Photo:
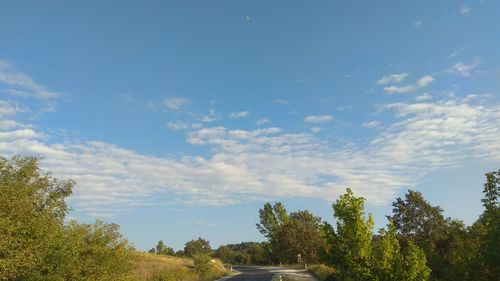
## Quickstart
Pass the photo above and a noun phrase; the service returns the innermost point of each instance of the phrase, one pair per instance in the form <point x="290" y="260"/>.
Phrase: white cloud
<point x="423" y="82"/>
<point x="243" y="165"/>
<point x="417" y="23"/>
<point x="392" y="78"/>
<point x="318" y="118"/>
<point x="262" y="121"/>
<point x="315" y="129"/>
<point x="175" y="103"/>
<point x="210" y="117"/>
<point x="424" y="97"/>
<point x="464" y="69"/>
<point x="8" y="108"/>
<point x="464" y="9"/>
<point x="21" y="85"/>
<point x="281" y="101"/>
<point x="371" y="124"/>
<point x="241" y="114"/>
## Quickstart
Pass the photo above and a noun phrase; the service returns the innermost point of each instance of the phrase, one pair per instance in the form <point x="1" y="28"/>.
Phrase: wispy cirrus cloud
<point x="17" y="83"/>
<point x="464" y="69"/>
<point x="175" y="103"/>
<point x="392" y="78"/>
<point x="262" y="121"/>
<point x="238" y="115"/>
<point x="318" y="118"/>
<point x="423" y="82"/>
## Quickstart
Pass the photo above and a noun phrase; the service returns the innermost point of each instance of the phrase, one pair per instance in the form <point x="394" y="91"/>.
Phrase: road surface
<point x="268" y="273"/>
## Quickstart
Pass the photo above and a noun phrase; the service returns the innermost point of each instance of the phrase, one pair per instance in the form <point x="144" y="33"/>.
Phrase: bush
<point x="203" y="266"/>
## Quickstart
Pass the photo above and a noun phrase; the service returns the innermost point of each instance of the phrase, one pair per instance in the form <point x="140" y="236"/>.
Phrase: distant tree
<point x="162" y="249"/>
<point x="152" y="251"/>
<point x="350" y="244"/>
<point x="226" y="254"/>
<point x="197" y="247"/>
<point x="32" y="210"/>
<point x="180" y="253"/>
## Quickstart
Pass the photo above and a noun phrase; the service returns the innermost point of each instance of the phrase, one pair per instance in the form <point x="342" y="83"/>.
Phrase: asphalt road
<point x="268" y="273"/>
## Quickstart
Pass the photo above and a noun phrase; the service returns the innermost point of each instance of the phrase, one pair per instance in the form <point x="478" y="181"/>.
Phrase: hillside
<point x="149" y="267"/>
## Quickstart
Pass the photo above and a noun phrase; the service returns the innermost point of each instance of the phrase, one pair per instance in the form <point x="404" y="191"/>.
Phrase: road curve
<point x="268" y="273"/>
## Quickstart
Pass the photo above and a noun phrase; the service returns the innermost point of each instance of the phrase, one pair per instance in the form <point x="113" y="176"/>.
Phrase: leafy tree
<point x="350" y="245"/>
<point x="162" y="249"/>
<point x="389" y="263"/>
<point x="300" y="234"/>
<point x="197" y="247"/>
<point x="487" y="229"/>
<point x="32" y="210"/>
<point x="417" y="220"/>
<point x="272" y="218"/>
<point x="152" y="251"/>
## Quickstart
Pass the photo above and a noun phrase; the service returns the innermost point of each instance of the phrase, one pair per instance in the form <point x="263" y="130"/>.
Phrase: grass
<point x="151" y="267"/>
<point x="321" y="271"/>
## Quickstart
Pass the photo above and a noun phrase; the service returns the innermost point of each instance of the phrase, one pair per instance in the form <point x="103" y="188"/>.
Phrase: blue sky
<point x="179" y="119"/>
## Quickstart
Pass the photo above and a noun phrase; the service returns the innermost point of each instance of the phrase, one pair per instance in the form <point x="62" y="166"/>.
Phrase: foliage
<point x="272" y="218"/>
<point x="35" y="244"/>
<point x="32" y="210"/>
<point x="350" y="244"/>
<point x="162" y="249"/>
<point x="197" y="247"/>
<point x="244" y="253"/>
<point x="202" y="265"/>
<point x="415" y="219"/>
<point x="300" y="234"/>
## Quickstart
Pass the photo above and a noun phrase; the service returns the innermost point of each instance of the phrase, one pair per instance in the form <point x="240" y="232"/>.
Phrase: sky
<point x="180" y="119"/>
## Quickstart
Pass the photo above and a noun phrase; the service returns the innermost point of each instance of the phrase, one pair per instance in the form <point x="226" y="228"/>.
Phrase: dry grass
<point x="321" y="271"/>
<point x="151" y="267"/>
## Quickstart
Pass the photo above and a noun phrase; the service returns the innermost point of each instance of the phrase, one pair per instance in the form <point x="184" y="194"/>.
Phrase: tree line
<point x="419" y="243"/>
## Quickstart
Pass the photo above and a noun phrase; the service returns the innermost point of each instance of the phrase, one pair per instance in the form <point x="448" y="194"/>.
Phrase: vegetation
<point x="419" y="244"/>
<point x="153" y="267"/>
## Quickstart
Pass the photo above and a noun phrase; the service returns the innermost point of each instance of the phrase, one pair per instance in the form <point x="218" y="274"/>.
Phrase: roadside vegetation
<point x="37" y="243"/>
<point x="418" y="244"/>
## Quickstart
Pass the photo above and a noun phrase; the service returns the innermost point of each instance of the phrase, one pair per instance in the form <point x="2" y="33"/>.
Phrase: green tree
<point x="32" y="209"/>
<point x="202" y="265"/>
<point x="272" y="218"/>
<point x="300" y="234"/>
<point x="350" y="244"/>
<point x="162" y="249"/>
<point x="389" y="263"/>
<point x="417" y="220"/>
<point x="197" y="247"/>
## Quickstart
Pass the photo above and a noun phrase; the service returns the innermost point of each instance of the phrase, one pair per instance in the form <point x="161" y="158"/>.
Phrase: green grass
<point x="151" y="267"/>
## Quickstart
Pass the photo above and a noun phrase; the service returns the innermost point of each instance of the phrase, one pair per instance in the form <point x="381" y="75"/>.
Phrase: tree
<point x="162" y="249"/>
<point x="202" y="266"/>
<point x="32" y="211"/>
<point x="416" y="220"/>
<point x="301" y="235"/>
<point x="272" y="218"/>
<point x="389" y="263"/>
<point x="350" y="245"/>
<point x="197" y="247"/>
